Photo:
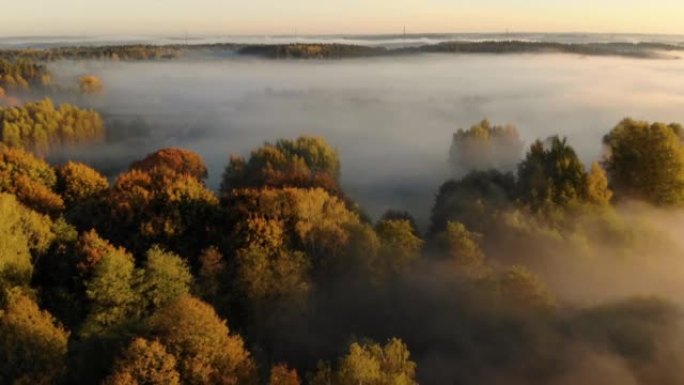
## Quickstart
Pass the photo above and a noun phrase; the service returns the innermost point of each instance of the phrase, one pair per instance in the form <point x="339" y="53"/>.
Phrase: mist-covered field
<point x="390" y="118"/>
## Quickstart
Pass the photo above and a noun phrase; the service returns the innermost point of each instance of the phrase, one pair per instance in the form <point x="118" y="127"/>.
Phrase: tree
<point x="90" y="84"/>
<point x="473" y="200"/>
<point x="77" y="182"/>
<point x="23" y="233"/>
<point x="598" y="192"/>
<point x="144" y="362"/>
<point x="313" y="220"/>
<point x="205" y="351"/>
<point x="524" y="290"/>
<point x="23" y="74"/>
<point x="165" y="278"/>
<point x="401" y="215"/>
<point x="212" y="267"/>
<point x="32" y="180"/>
<point x="162" y="207"/>
<point x="304" y="162"/>
<point x="400" y="248"/>
<point x="110" y="293"/>
<point x="370" y="364"/>
<point x="32" y="345"/>
<point x="272" y="274"/>
<point x="178" y="160"/>
<point x="551" y="175"/>
<point x="282" y="375"/>
<point x="484" y="147"/>
<point x="40" y="127"/>
<point x="646" y="161"/>
<point x="461" y="247"/>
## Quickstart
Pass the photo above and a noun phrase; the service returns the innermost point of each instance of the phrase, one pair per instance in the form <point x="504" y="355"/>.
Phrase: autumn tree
<point x="200" y="341"/>
<point x="212" y="267"/>
<point x="40" y="126"/>
<point x="144" y="362"/>
<point x="161" y="206"/>
<point x="391" y="215"/>
<point x="461" y="248"/>
<point x="30" y="179"/>
<point x="282" y="375"/>
<point x="372" y="364"/>
<point x="524" y="290"/>
<point x="313" y="220"/>
<point x="77" y="182"/>
<point x="178" y="160"/>
<point x="598" y="191"/>
<point x="22" y="74"/>
<point x="646" y="161"/>
<point x="90" y="84"/>
<point x="32" y="345"/>
<point x="304" y="162"/>
<point x="400" y="247"/>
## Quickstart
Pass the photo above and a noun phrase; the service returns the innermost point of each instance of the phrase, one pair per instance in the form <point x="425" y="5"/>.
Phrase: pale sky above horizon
<point x="260" y="17"/>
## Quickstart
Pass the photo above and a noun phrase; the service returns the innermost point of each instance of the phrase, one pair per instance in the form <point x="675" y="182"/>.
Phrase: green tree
<point x="110" y="293"/>
<point x="473" y="200"/>
<point x="32" y="345"/>
<point x="23" y="233"/>
<point x="551" y="175"/>
<point x="39" y="126"/>
<point x="646" y="161"/>
<point x="165" y="278"/>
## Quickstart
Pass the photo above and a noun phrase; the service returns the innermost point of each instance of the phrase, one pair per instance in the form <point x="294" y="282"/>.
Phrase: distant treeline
<point x="122" y="52"/>
<point x="332" y="51"/>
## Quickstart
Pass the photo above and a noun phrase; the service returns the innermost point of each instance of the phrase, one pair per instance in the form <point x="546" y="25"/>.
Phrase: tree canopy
<point x="646" y="161"/>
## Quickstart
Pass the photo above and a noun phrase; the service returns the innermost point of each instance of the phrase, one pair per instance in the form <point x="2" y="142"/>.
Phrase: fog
<point x="391" y="118"/>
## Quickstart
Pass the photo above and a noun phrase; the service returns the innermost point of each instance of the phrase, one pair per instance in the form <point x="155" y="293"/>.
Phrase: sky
<point x="284" y="17"/>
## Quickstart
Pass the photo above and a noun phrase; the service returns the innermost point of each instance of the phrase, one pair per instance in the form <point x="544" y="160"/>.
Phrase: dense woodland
<point x="279" y="278"/>
<point x="23" y="74"/>
<point x="40" y="126"/>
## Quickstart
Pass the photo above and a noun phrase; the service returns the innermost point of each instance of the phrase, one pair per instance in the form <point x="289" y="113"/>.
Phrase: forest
<point x="535" y="268"/>
<point x="280" y="278"/>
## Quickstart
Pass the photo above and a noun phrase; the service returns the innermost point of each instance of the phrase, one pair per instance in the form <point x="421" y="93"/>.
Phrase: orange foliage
<point x="282" y="375"/>
<point x="178" y="160"/>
